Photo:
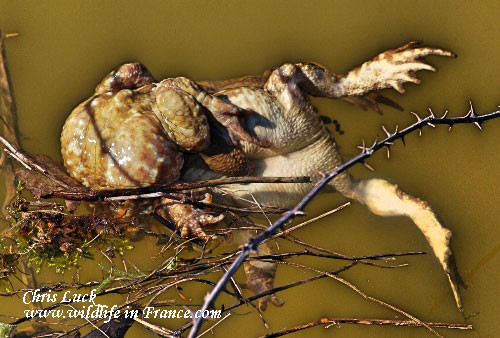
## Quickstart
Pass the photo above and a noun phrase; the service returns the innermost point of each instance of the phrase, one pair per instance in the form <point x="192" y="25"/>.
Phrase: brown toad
<point x="133" y="131"/>
<point x="267" y="122"/>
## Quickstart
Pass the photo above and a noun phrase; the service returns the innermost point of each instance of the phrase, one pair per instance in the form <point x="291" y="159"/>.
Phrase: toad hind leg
<point x="386" y="199"/>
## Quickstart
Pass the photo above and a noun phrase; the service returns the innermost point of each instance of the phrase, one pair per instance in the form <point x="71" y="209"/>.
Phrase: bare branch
<point x="30" y="163"/>
<point x="143" y="192"/>
<point x="8" y="105"/>
<point x="83" y="194"/>
<point x="8" y="120"/>
<point x="335" y="321"/>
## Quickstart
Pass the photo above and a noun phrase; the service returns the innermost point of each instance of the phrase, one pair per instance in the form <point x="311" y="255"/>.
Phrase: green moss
<point x="50" y="239"/>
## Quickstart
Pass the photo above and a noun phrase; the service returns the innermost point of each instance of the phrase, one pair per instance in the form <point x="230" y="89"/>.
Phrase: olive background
<point x="66" y="47"/>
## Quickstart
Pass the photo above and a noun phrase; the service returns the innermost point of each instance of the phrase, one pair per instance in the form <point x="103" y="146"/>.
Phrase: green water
<point x="66" y="47"/>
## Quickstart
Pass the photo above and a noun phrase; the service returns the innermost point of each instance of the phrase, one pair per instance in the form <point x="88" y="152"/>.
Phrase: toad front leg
<point x="188" y="219"/>
<point x="390" y="69"/>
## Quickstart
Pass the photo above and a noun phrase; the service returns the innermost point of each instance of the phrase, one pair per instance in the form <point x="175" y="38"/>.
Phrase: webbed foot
<point x="394" y="67"/>
<point x="260" y="278"/>
<point x="188" y="219"/>
<point x="371" y="101"/>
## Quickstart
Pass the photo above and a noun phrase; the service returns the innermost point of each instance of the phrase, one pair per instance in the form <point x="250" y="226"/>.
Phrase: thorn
<point x="432" y="114"/>
<point x="385" y="131"/>
<point x="299" y="213"/>
<point x="444" y="115"/>
<point x="388" y="152"/>
<point x="11" y="35"/>
<point x="362" y="147"/>
<point x="420" y="131"/>
<point x="374" y="143"/>
<point x="430" y="124"/>
<point x="368" y="166"/>
<point x="449" y="128"/>
<point x="418" y="117"/>
<point x="322" y="174"/>
<point x="396" y="131"/>
<point x="471" y="112"/>
<point x="403" y="140"/>
<point x="477" y="124"/>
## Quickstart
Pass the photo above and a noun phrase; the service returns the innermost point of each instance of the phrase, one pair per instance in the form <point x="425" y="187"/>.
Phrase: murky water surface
<point x="65" y="48"/>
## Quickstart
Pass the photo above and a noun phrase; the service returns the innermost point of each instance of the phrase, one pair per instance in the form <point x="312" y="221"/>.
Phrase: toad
<point x="135" y="131"/>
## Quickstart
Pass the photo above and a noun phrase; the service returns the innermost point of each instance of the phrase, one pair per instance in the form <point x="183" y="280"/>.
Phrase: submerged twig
<point x="240" y="302"/>
<point x="8" y="104"/>
<point x="8" y="120"/>
<point x="366" y="152"/>
<point x="9" y="130"/>
<point x="31" y="164"/>
<point x="368" y="297"/>
<point x="145" y="192"/>
<point x="391" y="322"/>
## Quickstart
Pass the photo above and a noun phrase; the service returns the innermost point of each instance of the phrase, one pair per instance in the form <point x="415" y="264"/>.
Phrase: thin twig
<point x="282" y="256"/>
<point x="95" y="326"/>
<point x="216" y="206"/>
<point x="145" y="191"/>
<point x="366" y="296"/>
<point x="153" y="191"/>
<point x="275" y="290"/>
<point x="295" y="227"/>
<point x="366" y="152"/>
<point x="8" y="120"/>
<point x="392" y="322"/>
<point x="8" y="104"/>
<point x="159" y="330"/>
<point x="218" y="322"/>
<point x="31" y="164"/>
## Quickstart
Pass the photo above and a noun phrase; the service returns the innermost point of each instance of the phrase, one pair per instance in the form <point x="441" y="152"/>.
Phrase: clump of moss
<point x="47" y="234"/>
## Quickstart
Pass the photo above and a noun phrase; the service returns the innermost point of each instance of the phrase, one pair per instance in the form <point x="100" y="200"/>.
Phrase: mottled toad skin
<point x="128" y="137"/>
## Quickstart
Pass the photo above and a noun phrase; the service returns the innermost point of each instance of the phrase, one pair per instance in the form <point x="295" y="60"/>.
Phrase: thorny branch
<point x="366" y="152"/>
